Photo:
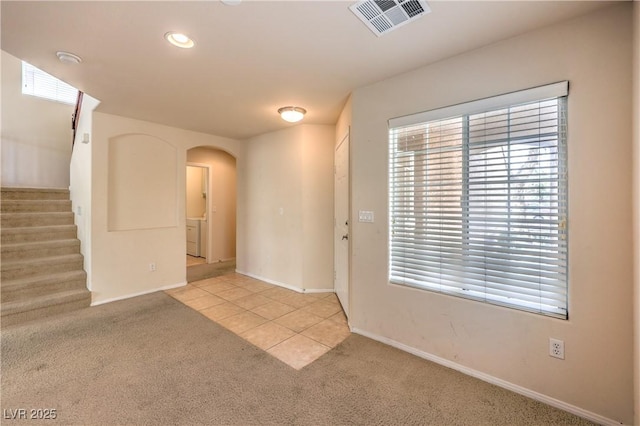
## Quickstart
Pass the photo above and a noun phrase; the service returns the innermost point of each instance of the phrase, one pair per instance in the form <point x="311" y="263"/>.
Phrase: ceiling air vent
<point x="382" y="16"/>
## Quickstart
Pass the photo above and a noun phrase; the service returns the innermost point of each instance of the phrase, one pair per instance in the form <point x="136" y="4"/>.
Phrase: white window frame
<point x="38" y="83"/>
<point x="411" y="257"/>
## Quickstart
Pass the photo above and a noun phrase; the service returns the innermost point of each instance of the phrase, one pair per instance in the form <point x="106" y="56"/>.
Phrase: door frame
<point x="208" y="204"/>
<point x="346" y="138"/>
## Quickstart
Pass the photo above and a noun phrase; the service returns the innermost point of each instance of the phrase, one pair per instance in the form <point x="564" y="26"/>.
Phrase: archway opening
<point x="210" y="207"/>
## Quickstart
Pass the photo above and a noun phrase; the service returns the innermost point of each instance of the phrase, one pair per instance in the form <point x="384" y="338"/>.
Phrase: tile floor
<point x="296" y="328"/>
<point x="192" y="260"/>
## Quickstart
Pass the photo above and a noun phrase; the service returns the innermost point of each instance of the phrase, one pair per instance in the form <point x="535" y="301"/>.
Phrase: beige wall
<point x="196" y="189"/>
<point x="222" y="201"/>
<point x="36" y="134"/>
<point x="142" y="182"/>
<point x="317" y="148"/>
<point x="636" y="180"/>
<point x="344" y="121"/>
<point x="80" y="180"/>
<point x="120" y="259"/>
<point x="499" y="344"/>
<point x="285" y="208"/>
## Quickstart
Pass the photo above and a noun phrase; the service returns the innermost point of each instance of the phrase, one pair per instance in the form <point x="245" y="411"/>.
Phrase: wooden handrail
<point x="75" y="118"/>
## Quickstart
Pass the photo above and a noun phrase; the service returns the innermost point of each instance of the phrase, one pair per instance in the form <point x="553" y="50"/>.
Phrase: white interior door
<point x="341" y="223"/>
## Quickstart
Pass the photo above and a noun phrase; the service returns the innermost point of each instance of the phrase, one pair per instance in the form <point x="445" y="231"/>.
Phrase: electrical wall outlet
<point x="152" y="267"/>
<point x="556" y="348"/>
<point x="365" y="216"/>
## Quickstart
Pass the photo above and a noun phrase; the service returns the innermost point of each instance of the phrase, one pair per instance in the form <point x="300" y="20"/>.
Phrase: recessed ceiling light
<point x="68" y="58"/>
<point x="231" y="2"/>
<point x="292" y="114"/>
<point x="179" y="40"/>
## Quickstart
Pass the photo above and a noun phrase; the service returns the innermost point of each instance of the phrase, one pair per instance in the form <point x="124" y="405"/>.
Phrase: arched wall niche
<point x="142" y="183"/>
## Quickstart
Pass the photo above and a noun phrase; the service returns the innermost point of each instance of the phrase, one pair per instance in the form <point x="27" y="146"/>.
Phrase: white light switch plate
<point x="365" y="216"/>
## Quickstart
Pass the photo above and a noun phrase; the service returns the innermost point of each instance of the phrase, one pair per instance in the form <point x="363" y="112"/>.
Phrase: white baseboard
<point x="287" y="286"/>
<point x="228" y="259"/>
<point x="596" y="418"/>
<point x="142" y="293"/>
<point x="318" y="290"/>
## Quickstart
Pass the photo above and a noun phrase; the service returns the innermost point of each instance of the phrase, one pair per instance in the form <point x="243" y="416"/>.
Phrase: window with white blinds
<point x="36" y="82"/>
<point x="478" y="200"/>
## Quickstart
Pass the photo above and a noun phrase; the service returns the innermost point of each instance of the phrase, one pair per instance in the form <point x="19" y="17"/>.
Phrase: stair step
<point x="34" y="250"/>
<point x="37" y="233"/>
<point x="17" y="269"/>
<point x="12" y="220"/>
<point x="44" y="306"/>
<point x="41" y="270"/>
<point x="30" y="287"/>
<point x="35" y="206"/>
<point x="34" y="194"/>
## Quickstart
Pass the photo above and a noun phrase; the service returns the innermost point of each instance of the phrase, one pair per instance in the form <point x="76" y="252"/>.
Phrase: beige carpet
<point x="152" y="360"/>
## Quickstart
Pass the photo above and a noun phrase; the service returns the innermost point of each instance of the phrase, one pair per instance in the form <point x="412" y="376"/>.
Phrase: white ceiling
<point x="249" y="59"/>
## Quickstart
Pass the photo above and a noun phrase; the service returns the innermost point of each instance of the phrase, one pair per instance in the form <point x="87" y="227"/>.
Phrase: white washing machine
<point x="193" y="237"/>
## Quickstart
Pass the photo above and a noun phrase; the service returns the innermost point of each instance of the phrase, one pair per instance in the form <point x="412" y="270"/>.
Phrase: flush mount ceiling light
<point x="231" y="2"/>
<point x="292" y="114"/>
<point x="68" y="58"/>
<point x="179" y="40"/>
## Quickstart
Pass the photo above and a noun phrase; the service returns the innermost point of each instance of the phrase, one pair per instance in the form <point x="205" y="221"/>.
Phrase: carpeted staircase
<point x="42" y="268"/>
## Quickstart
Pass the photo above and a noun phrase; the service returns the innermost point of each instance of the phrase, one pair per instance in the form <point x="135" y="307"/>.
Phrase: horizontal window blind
<point x="478" y="201"/>
<point x="36" y="82"/>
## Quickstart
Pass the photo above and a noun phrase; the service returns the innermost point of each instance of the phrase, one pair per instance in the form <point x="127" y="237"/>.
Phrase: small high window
<point x="36" y="82"/>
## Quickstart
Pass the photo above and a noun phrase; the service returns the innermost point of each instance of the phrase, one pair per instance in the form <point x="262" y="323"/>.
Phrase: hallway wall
<point x="36" y="134"/>
<point x="285" y="208"/>
<point x="80" y="182"/>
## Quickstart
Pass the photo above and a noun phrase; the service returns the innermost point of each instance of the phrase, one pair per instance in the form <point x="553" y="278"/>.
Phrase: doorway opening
<point x="197" y="214"/>
<point x="210" y="206"/>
